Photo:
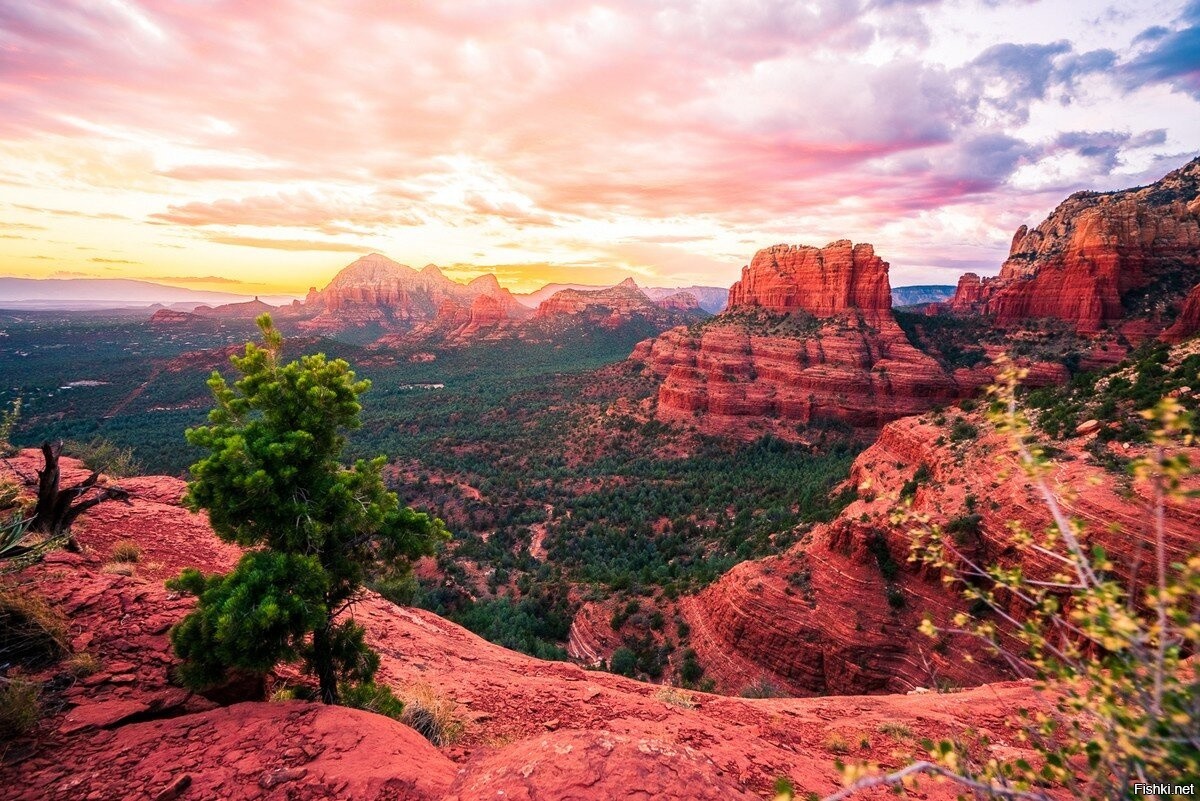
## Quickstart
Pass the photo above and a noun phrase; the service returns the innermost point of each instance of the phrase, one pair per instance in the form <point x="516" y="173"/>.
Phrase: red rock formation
<point x="375" y="290"/>
<point x="171" y="317"/>
<point x="1187" y="324"/>
<point x="625" y="300"/>
<point x="246" y="310"/>
<point x="532" y="729"/>
<point x="820" y="618"/>
<point x="680" y="301"/>
<point x="970" y="293"/>
<point x="793" y="348"/>
<point x="1087" y="261"/>
<point x="835" y="279"/>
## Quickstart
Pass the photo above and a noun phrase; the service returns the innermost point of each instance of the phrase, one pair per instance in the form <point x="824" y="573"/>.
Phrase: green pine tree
<point x="273" y="480"/>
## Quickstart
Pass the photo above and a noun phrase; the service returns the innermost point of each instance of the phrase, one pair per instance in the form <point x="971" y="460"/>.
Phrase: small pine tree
<point x="273" y="480"/>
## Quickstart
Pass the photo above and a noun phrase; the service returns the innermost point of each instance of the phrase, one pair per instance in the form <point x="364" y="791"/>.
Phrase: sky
<point x="261" y="146"/>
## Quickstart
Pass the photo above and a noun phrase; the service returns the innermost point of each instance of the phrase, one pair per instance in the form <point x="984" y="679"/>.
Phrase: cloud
<point x="288" y="244"/>
<point x="330" y="215"/>
<point x="70" y="274"/>
<point x="101" y="260"/>
<point x="481" y="122"/>
<point x="1173" y="57"/>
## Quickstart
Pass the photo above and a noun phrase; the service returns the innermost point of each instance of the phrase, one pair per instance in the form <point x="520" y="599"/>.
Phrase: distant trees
<point x="272" y="480"/>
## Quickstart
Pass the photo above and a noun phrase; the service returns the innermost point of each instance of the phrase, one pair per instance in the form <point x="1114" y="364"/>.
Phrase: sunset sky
<point x="260" y="146"/>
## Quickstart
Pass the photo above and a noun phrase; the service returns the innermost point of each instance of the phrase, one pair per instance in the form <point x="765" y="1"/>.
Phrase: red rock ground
<point x="531" y="729"/>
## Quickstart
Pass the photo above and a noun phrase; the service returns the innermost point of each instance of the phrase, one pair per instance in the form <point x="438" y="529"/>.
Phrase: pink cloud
<point x="747" y="112"/>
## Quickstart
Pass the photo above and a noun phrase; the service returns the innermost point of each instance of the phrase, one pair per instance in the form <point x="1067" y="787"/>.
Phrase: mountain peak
<point x="629" y="283"/>
<point x="485" y="283"/>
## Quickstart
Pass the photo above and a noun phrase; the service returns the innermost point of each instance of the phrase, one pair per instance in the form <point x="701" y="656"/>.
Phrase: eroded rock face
<point x="1187" y="324"/>
<point x="531" y="729"/>
<point x="808" y="336"/>
<point x="1089" y="261"/>
<point x="614" y="305"/>
<point x="824" y="617"/>
<point x="375" y="290"/>
<point x="835" y="279"/>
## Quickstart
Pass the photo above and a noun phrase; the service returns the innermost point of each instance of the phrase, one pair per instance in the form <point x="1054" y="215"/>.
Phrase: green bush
<point x="272" y="480"/>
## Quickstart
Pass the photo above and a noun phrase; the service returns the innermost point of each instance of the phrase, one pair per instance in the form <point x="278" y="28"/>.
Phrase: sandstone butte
<point x="532" y="729"/>
<point x="808" y="335"/>
<point x="609" y="307"/>
<point x="1093" y="260"/>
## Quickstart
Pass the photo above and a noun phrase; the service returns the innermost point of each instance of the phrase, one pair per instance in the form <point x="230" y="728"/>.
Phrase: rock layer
<point x="808" y="336"/>
<point x="824" y="282"/>
<point x="1090" y="262"/>
<point x="826" y="618"/>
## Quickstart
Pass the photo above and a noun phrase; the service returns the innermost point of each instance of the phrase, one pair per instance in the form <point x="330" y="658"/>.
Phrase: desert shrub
<point x="690" y="669"/>
<point x="895" y="598"/>
<point x="624" y="661"/>
<point x="372" y="697"/>
<point x="897" y="731"/>
<point x="837" y="744"/>
<point x="126" y="551"/>
<point x="20" y="706"/>
<point x="963" y="430"/>
<point x="432" y="715"/>
<point x="920" y="477"/>
<point x="104" y="456"/>
<point x="81" y="664"/>
<point x="32" y="633"/>
<point x="676" y="697"/>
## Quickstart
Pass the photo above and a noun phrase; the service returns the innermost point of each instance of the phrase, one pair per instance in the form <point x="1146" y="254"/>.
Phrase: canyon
<point x="530" y="729"/>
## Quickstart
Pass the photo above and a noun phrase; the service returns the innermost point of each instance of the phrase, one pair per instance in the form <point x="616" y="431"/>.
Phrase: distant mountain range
<point x="85" y="294"/>
<point x="917" y="295"/>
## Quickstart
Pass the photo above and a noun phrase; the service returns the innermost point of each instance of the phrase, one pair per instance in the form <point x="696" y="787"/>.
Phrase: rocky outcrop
<point x="610" y="307"/>
<point x="531" y="729"/>
<point x="826" y="618"/>
<point x="824" y="282"/>
<point x="1099" y="258"/>
<point x="808" y="337"/>
<point x="1187" y="324"/>
<point x="375" y="291"/>
<point x="680" y="301"/>
<point x="246" y="310"/>
<point x="171" y="317"/>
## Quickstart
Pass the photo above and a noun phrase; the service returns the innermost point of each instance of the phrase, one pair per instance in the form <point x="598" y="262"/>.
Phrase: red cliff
<point x="824" y="617"/>
<point x="808" y="336"/>
<point x="1099" y="258"/>
<point x="835" y="279"/>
